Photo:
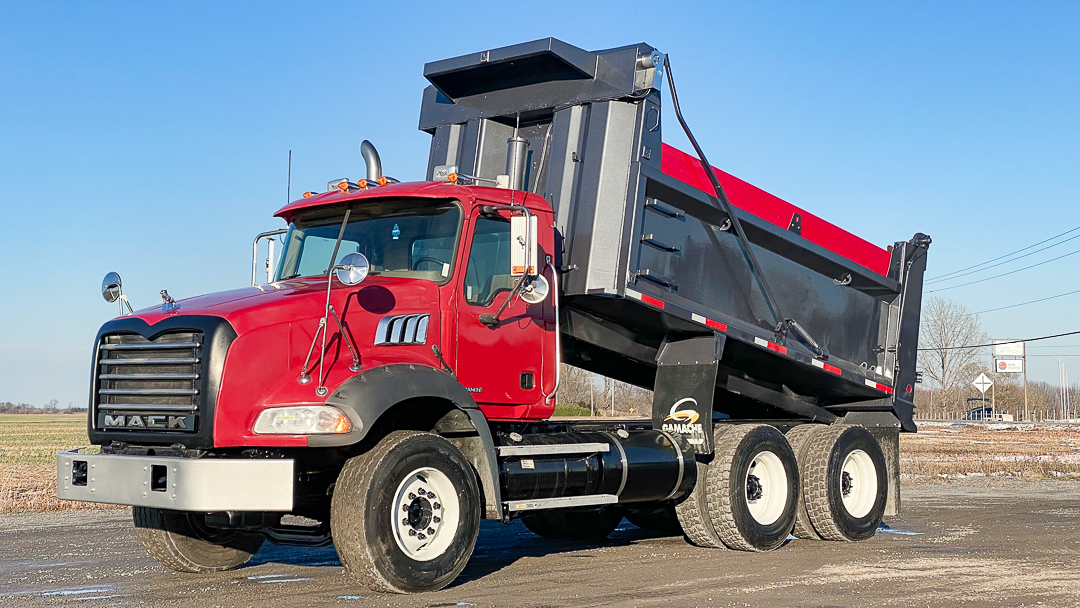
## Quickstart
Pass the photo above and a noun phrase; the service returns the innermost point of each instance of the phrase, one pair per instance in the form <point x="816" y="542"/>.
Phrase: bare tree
<point x="948" y="330"/>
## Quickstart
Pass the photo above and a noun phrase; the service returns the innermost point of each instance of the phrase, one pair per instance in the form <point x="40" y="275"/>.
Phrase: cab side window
<point x="488" y="272"/>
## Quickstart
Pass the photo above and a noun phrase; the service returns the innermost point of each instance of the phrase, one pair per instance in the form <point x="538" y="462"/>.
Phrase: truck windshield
<point x="401" y="237"/>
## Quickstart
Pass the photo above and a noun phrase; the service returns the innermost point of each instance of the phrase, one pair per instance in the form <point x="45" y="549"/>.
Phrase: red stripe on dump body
<point x="750" y="198"/>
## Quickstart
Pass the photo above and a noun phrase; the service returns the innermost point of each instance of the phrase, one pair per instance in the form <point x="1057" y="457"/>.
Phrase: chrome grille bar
<point x="151" y="361"/>
<point x="154" y="376"/>
<point x="151" y="346"/>
<point x="148" y="391"/>
<point x="146" y="407"/>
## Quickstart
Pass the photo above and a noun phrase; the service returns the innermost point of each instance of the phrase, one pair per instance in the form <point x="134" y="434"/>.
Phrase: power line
<point x="1002" y="257"/>
<point x="1060" y="295"/>
<point x="998" y="276"/>
<point x="1071" y="333"/>
<point x="1005" y="262"/>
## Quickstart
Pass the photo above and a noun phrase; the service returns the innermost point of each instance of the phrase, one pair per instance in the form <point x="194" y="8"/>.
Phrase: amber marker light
<point x="343" y="186"/>
<point x="452" y="178"/>
<point x="307" y="194"/>
<point x="362" y="183"/>
<point x="382" y="180"/>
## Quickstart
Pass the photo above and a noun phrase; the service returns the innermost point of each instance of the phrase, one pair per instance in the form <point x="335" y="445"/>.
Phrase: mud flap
<point x="685" y="385"/>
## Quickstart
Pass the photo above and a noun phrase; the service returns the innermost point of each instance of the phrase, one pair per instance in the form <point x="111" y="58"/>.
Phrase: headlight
<point x="302" y="420"/>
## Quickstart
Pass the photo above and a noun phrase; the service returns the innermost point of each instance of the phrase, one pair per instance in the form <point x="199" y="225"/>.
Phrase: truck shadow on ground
<point x="497" y="547"/>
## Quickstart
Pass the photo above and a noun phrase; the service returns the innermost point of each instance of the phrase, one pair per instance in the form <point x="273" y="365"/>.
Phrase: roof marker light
<point x="362" y="183"/>
<point x="382" y="180"/>
<point x="307" y="194"/>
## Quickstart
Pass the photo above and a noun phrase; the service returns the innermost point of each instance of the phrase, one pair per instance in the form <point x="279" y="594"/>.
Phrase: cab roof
<point x="432" y="190"/>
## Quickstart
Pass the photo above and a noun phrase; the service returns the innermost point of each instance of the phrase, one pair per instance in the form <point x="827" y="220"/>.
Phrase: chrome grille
<point x="152" y="377"/>
<point x="402" y="329"/>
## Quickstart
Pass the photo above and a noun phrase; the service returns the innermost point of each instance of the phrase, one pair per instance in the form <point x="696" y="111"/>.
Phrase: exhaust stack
<point x="517" y="155"/>
<point x="371" y="159"/>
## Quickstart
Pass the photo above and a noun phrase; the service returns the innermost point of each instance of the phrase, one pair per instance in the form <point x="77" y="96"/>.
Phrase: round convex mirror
<point x="110" y="287"/>
<point x="353" y="268"/>
<point x="536" y="291"/>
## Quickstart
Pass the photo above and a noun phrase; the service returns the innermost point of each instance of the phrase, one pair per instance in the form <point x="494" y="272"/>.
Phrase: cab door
<point x="502" y="365"/>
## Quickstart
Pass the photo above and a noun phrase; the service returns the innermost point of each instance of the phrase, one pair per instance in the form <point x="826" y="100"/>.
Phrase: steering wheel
<point x="430" y="259"/>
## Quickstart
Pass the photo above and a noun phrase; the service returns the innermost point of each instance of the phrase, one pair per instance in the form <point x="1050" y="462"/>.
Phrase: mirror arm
<point x="493" y="319"/>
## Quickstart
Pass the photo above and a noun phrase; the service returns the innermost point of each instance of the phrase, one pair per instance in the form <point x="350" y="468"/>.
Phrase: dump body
<point x="647" y="255"/>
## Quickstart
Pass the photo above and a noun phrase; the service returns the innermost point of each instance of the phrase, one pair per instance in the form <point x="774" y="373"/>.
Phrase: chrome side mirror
<point x="352" y="269"/>
<point x="112" y="290"/>
<point x="111" y="287"/>
<point x="536" y="291"/>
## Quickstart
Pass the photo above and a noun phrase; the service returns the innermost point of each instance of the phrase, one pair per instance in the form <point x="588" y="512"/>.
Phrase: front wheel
<point x="183" y="542"/>
<point x="405" y="515"/>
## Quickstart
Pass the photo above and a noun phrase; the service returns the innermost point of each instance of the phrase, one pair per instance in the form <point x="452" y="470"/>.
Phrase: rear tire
<point x="182" y="542"/>
<point x="655" y="518"/>
<point x="406" y="514"/>
<point x="753" y="487"/>
<point x="590" y="525"/>
<point x="798" y="437"/>
<point x="693" y="510"/>
<point x="846" y="483"/>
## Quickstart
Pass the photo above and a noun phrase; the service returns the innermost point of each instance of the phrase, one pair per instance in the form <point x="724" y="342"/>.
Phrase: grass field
<point x="28" y="447"/>
<point x="938" y="453"/>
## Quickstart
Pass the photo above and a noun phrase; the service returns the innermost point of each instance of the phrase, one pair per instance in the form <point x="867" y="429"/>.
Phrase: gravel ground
<point x="968" y="543"/>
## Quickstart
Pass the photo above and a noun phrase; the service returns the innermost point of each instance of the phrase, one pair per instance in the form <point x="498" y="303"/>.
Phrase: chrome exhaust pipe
<point x="371" y="159"/>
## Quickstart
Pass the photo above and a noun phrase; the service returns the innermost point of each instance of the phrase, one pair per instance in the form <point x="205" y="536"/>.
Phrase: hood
<point x="297" y="300"/>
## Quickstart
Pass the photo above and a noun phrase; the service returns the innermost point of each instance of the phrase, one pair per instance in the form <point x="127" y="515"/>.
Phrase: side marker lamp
<point x="302" y="420"/>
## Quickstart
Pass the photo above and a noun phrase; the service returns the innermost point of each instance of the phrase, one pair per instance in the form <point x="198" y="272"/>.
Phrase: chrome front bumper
<point x="181" y="484"/>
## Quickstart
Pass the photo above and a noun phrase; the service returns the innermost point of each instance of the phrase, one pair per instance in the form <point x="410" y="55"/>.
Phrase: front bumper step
<point x="181" y="484"/>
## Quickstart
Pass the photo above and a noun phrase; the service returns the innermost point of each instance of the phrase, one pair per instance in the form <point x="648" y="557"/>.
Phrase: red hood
<point x="296" y="300"/>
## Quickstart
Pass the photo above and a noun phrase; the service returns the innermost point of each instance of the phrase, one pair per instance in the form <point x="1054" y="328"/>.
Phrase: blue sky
<point x="152" y="139"/>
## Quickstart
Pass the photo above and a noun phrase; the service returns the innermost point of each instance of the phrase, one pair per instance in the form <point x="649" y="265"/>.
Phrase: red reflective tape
<point x="715" y="324"/>
<point x="780" y="349"/>
<point x="887" y="389"/>
<point x="831" y="368"/>
<point x="651" y="300"/>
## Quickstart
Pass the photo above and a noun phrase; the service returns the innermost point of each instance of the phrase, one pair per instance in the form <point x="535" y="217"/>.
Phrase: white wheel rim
<point x="425" y="513"/>
<point x="858" y="483"/>
<point x="766" y="488"/>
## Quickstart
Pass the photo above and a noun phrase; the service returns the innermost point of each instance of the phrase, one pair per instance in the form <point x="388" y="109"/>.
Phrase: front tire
<point x="405" y="515"/>
<point x="182" y="541"/>
<point x="753" y="487"/>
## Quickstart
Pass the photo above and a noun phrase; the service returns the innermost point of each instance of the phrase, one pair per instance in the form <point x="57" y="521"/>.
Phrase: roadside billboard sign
<point x="1009" y="366"/>
<point x="1005" y="348"/>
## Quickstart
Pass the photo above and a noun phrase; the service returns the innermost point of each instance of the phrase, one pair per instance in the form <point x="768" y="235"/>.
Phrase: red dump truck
<point x="392" y="381"/>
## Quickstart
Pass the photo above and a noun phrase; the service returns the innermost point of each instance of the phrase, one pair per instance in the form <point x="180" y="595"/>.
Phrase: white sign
<point x="983" y="383"/>
<point x="1010" y="366"/>
<point x="1005" y="348"/>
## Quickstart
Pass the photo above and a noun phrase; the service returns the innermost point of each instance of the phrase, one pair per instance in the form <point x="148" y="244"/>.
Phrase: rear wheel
<point x="693" y="510"/>
<point x="846" y="483"/>
<point x="589" y="525"/>
<point x="405" y="515"/>
<point x="183" y="542"/>
<point x="798" y="437"/>
<point x="753" y="487"/>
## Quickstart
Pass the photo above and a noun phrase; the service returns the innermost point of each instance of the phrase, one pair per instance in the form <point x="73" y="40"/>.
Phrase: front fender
<point x="370" y="394"/>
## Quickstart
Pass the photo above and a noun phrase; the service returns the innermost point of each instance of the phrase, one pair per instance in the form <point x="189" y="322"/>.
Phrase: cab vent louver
<point x="402" y="329"/>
